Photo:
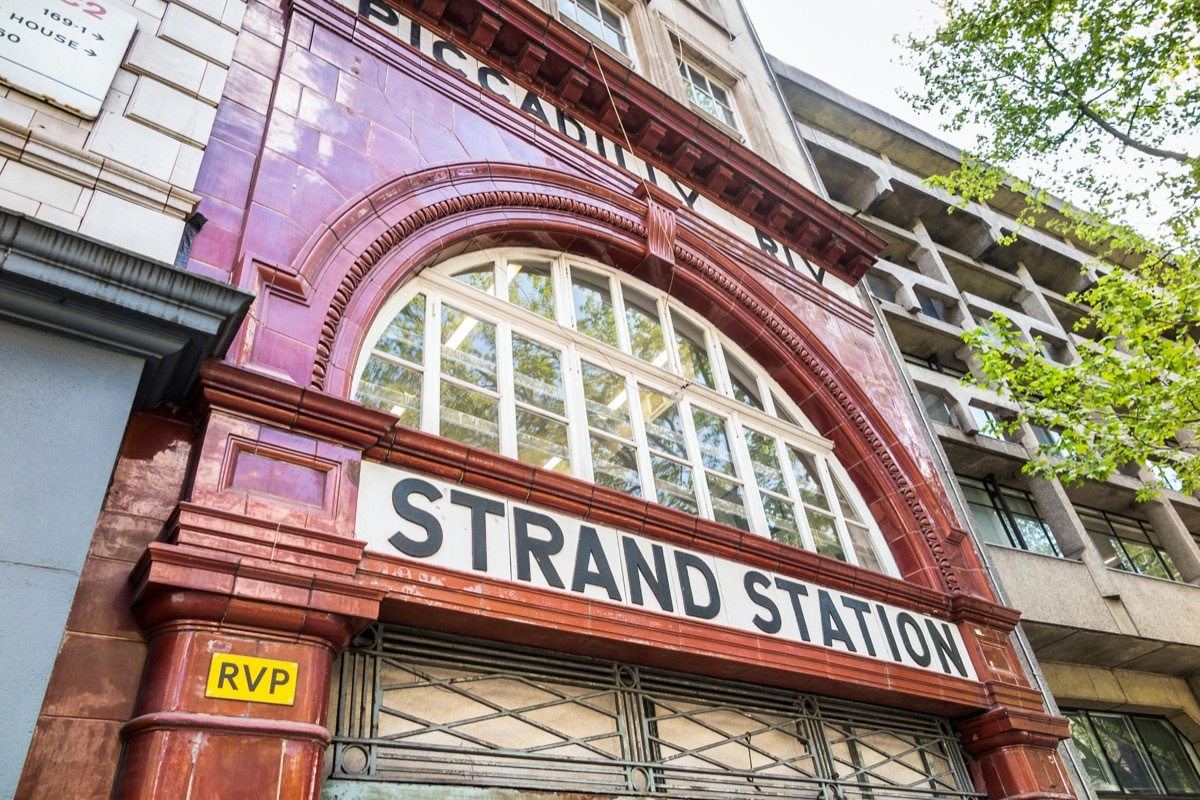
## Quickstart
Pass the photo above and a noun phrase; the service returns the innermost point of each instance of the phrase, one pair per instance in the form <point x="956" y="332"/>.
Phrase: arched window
<point x="572" y="367"/>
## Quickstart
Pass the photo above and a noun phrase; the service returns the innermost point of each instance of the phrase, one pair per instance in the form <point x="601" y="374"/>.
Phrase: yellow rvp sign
<point x="259" y="680"/>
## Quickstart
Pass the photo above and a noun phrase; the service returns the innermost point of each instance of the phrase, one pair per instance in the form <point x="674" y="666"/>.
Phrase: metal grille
<point x="418" y="708"/>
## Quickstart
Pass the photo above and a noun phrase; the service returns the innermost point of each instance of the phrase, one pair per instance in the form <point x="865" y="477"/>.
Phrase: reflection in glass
<point x="607" y="401"/>
<point x="1129" y="763"/>
<point x="714" y="442"/>
<point x="531" y="286"/>
<point x="804" y="467"/>
<point x="542" y="441"/>
<point x="614" y="464"/>
<point x="645" y="333"/>
<point x="825" y="535"/>
<point x="664" y="425"/>
<point x="593" y="308"/>
<point x="765" y="458"/>
<point x="729" y="504"/>
<point x="537" y="375"/>
<point x="781" y="518"/>
<point x="482" y="277"/>
<point x="693" y="356"/>
<point x="470" y="417"/>
<point x="1170" y="755"/>
<point x="468" y="349"/>
<point x="405" y="335"/>
<point x="392" y="388"/>
<point x="673" y="484"/>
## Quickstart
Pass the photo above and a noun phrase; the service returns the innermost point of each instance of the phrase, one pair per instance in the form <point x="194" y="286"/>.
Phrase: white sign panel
<point x="65" y="52"/>
<point x="432" y="522"/>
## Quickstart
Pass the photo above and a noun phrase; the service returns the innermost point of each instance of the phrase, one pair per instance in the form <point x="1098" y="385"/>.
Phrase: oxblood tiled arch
<point x="404" y="225"/>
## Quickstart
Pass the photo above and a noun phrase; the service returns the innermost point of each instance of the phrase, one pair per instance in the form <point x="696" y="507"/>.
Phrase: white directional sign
<point x="65" y="52"/>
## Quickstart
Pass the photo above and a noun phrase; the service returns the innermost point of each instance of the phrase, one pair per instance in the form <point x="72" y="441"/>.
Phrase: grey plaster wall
<point x="63" y="411"/>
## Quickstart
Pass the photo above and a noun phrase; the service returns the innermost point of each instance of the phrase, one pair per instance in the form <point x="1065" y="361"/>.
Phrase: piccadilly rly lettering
<point x="450" y="526"/>
<point x="492" y="81"/>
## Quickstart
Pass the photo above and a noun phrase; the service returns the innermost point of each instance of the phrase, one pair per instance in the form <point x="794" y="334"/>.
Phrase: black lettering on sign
<point x="796" y="591"/>
<point x="887" y="631"/>
<point x="639" y="569"/>
<point x="439" y="52"/>
<point x="253" y="682"/>
<point x="279" y="679"/>
<point x="685" y="563"/>
<point x="755" y="582"/>
<point x="401" y="492"/>
<point x="374" y="9"/>
<point x="861" y="609"/>
<point x="486" y="76"/>
<point x="540" y="549"/>
<point x="588" y="553"/>
<point x="533" y="107"/>
<point x="832" y="627"/>
<point x="228" y="673"/>
<point x="689" y="195"/>
<point x="480" y="508"/>
<point x="910" y="628"/>
<point x="569" y="126"/>
<point x="946" y="648"/>
<point x="773" y="249"/>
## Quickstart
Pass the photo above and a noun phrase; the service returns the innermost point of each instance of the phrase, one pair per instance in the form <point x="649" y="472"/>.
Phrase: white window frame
<point x="439" y="287"/>
<point x="685" y="61"/>
<point x="625" y="50"/>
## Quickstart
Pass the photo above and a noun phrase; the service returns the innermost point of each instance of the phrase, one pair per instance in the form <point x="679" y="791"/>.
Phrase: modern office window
<point x="934" y="363"/>
<point x="572" y="367"/>
<point x="881" y="287"/>
<point x="707" y="92"/>
<point x="932" y="307"/>
<point x="1128" y="544"/>
<point x="1134" y="754"/>
<point x="935" y="407"/>
<point x="1008" y="517"/>
<point x="600" y="19"/>
<point x="987" y="420"/>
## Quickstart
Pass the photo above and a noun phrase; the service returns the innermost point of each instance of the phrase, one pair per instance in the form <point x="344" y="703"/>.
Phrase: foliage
<point x="1099" y="100"/>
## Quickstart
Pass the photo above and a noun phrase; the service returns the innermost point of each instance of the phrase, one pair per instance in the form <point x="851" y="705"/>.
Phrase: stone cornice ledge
<point x="171" y="319"/>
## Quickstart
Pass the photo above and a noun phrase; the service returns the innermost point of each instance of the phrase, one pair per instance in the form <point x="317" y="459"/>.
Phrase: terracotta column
<point x="1017" y="753"/>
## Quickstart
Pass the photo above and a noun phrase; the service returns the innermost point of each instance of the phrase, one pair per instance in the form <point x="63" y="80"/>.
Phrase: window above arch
<point x="572" y="367"/>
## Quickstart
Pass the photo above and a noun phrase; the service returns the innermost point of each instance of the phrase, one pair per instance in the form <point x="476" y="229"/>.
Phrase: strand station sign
<point x="495" y="84"/>
<point x="431" y="522"/>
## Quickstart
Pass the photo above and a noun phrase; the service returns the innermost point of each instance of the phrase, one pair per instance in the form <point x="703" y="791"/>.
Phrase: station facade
<point x="557" y="451"/>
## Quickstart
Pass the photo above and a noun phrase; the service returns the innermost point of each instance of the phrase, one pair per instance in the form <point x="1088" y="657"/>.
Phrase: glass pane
<point x="1169" y="755"/>
<point x="1145" y="560"/>
<point x="468" y="349"/>
<point x="537" y="375"/>
<point x="1090" y="753"/>
<point x="987" y="520"/>
<point x="392" y="388"/>
<point x="1129" y="761"/>
<point x="935" y="407"/>
<point x="645" y="332"/>
<point x="673" y="484"/>
<point x="531" y="286"/>
<point x="1111" y="552"/>
<point x="864" y="551"/>
<point x="664" y="425"/>
<point x="482" y="277"/>
<point x="542" y="441"/>
<point x="804" y="466"/>
<point x="745" y="388"/>
<point x="825" y="535"/>
<point x="1036" y="535"/>
<point x="405" y="336"/>
<point x="781" y="519"/>
<point x="470" y="417"/>
<point x="729" y="504"/>
<point x="765" y="458"/>
<point x="614" y="464"/>
<point x="607" y="401"/>
<point x="593" y="308"/>
<point x="714" y="441"/>
<point x="693" y="357"/>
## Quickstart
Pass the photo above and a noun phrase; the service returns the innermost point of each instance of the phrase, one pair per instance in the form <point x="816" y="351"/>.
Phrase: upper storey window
<point x="600" y="19"/>
<point x="568" y="366"/>
<point x="707" y="92"/>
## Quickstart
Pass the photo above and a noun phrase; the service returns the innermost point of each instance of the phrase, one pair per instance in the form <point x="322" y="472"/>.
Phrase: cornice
<point x="563" y="66"/>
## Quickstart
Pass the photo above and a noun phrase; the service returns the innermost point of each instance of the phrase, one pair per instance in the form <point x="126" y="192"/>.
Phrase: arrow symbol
<point x="90" y="52"/>
<point x="99" y="38"/>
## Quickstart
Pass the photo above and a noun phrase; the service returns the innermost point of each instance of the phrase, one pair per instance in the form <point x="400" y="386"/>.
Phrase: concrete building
<point x="1106" y="585"/>
<point x="558" y="452"/>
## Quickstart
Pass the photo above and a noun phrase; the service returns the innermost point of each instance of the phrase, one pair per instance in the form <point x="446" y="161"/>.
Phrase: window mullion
<point x="745" y="469"/>
<point x="576" y="409"/>
<point x="835" y="510"/>
<point x="691" y="443"/>
<point x="508" y="392"/>
<point x="798" y="506"/>
<point x="431" y="381"/>
<point x="645" y="467"/>
<point x="615" y="288"/>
